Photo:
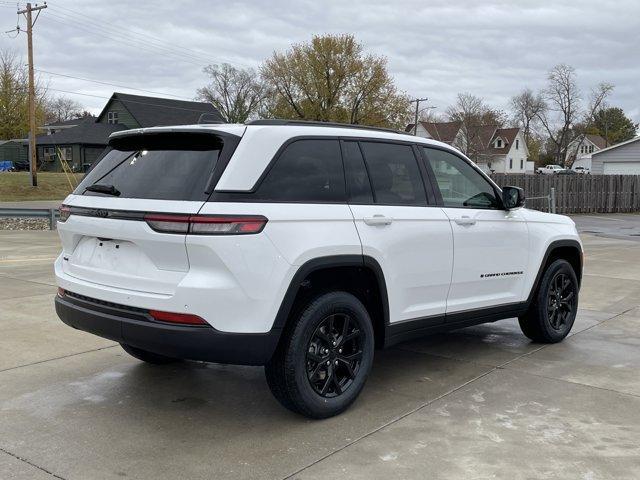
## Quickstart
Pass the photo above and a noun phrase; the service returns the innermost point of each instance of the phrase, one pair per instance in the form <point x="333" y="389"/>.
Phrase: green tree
<point x="14" y="99"/>
<point x="332" y="79"/>
<point x="613" y="125"/>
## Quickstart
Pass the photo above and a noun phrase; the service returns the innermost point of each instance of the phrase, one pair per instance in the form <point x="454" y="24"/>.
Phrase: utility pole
<point x="415" y="123"/>
<point x="32" y="89"/>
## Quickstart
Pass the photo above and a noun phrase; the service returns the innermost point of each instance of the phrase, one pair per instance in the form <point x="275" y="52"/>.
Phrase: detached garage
<point x="620" y="159"/>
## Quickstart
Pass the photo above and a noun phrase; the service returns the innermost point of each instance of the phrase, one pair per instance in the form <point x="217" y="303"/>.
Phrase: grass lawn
<point x="16" y="186"/>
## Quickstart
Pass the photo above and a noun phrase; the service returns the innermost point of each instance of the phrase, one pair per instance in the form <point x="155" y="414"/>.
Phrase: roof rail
<point x="314" y="123"/>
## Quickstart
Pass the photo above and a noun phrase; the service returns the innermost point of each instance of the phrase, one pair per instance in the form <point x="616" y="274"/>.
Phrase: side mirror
<point x="512" y="197"/>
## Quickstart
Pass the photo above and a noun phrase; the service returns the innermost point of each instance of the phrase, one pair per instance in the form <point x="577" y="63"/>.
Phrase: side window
<point x="358" y="184"/>
<point x="459" y="183"/>
<point x="395" y="175"/>
<point x="306" y="171"/>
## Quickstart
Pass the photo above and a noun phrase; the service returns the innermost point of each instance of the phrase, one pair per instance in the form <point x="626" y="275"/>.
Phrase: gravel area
<point x="24" y="224"/>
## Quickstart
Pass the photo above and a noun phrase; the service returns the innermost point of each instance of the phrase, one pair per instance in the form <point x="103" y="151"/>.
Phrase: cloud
<point x="435" y="48"/>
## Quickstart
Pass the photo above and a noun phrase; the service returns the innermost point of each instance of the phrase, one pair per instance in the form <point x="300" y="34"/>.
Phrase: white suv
<point x="303" y="247"/>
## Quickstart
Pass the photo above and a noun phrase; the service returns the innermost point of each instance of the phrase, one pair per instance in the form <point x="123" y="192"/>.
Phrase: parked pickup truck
<point x="550" y="169"/>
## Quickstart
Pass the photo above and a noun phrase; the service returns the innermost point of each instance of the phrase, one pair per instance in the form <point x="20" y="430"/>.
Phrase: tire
<point x="335" y="328"/>
<point x="553" y="310"/>
<point x="147" y="356"/>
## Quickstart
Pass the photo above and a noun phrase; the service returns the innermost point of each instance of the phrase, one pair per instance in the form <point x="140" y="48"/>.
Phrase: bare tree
<point x="562" y="108"/>
<point x="475" y="116"/>
<point x="525" y="108"/>
<point x="238" y="94"/>
<point x="64" y="108"/>
<point x="597" y="101"/>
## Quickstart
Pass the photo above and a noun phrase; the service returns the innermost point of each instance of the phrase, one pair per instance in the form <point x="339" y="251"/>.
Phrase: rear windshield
<point x="169" y="166"/>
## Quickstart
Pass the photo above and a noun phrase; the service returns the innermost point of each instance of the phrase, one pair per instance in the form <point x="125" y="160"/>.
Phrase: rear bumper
<point x="135" y="327"/>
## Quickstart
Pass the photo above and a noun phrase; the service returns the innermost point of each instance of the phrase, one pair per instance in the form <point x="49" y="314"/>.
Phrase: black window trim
<point x="497" y="190"/>
<point x="426" y="186"/>
<point x="246" y="196"/>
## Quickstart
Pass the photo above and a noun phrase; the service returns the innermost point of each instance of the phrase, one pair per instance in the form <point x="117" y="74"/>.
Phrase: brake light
<point x="65" y="211"/>
<point x="206" y="224"/>
<point x="180" y="318"/>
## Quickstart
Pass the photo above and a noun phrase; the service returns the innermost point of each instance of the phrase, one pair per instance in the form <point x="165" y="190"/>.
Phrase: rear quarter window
<point x="306" y="171"/>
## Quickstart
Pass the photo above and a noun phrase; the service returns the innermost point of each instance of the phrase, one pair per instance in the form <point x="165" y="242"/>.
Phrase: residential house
<point x="582" y="148"/>
<point x="494" y="149"/>
<point x="83" y="142"/>
<point x="620" y="159"/>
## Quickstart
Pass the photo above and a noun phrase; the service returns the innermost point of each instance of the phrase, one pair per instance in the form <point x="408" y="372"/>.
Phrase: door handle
<point x="378" y="220"/>
<point x="465" y="220"/>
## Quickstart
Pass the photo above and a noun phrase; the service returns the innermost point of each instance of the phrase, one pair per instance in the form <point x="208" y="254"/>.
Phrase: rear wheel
<point x="555" y="305"/>
<point x="324" y="358"/>
<point x="147" y="356"/>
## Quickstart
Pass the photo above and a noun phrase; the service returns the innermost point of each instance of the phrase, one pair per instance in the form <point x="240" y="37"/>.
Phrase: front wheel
<point x="555" y="305"/>
<point x="324" y="358"/>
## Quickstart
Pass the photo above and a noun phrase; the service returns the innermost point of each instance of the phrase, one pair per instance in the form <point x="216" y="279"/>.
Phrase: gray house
<point x="80" y="142"/>
<point x="620" y="159"/>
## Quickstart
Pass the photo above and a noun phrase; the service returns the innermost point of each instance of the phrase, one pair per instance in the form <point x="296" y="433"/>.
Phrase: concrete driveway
<point x="476" y="404"/>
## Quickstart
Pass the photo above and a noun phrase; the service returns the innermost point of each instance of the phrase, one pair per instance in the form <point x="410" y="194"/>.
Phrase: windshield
<point x="170" y="166"/>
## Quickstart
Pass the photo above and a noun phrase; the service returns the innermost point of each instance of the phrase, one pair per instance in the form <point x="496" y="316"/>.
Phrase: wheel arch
<point x="569" y="250"/>
<point x="360" y="275"/>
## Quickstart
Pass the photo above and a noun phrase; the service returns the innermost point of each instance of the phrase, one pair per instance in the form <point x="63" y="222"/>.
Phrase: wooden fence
<point x="578" y="193"/>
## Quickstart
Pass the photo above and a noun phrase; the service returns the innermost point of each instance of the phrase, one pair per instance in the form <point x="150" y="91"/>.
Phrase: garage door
<point x="622" y="168"/>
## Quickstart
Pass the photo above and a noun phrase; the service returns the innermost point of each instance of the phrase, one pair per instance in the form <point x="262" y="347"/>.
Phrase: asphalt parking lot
<point x="479" y="403"/>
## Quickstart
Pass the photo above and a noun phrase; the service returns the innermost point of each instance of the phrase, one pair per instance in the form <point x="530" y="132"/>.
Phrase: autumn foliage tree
<point x="332" y="79"/>
<point x="14" y="99"/>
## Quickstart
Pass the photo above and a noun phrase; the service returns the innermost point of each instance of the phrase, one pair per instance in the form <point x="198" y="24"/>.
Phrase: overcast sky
<point x="435" y="48"/>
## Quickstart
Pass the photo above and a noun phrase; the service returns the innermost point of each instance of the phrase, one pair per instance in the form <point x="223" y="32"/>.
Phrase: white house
<point x="582" y="148"/>
<point x="620" y="159"/>
<point x="494" y="149"/>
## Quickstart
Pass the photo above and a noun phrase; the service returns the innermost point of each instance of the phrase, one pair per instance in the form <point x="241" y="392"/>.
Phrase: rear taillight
<point x="65" y="211"/>
<point x="206" y="224"/>
<point x="61" y="292"/>
<point x="180" y="318"/>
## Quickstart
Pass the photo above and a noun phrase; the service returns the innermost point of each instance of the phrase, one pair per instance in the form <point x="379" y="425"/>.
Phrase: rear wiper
<point x="107" y="189"/>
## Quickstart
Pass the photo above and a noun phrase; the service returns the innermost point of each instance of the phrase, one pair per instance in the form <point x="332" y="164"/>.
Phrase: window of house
<point x="510" y="163"/>
<point x="112" y="117"/>
<point x="394" y="172"/>
<point x="521" y="164"/>
<point x="459" y="183"/>
<point x="66" y="153"/>
<point x="499" y="143"/>
<point x="306" y="171"/>
<point x="517" y="144"/>
<point x="49" y="154"/>
<point x="590" y="148"/>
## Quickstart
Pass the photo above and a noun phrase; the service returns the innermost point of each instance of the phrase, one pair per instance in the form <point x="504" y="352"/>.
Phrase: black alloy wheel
<point x="334" y="355"/>
<point x="554" y="305"/>
<point x="324" y="356"/>
<point x="561" y="300"/>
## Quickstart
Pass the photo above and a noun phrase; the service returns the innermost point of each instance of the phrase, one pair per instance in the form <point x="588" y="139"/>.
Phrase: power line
<point x="137" y="46"/>
<point x="153" y="44"/>
<point x="117" y="29"/>
<point x="111" y="84"/>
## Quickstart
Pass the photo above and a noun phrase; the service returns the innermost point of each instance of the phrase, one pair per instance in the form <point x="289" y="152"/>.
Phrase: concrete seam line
<point x="57" y="358"/>
<point x="610" y="390"/>
<point x="390" y="422"/>
<point x="18" y="457"/>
